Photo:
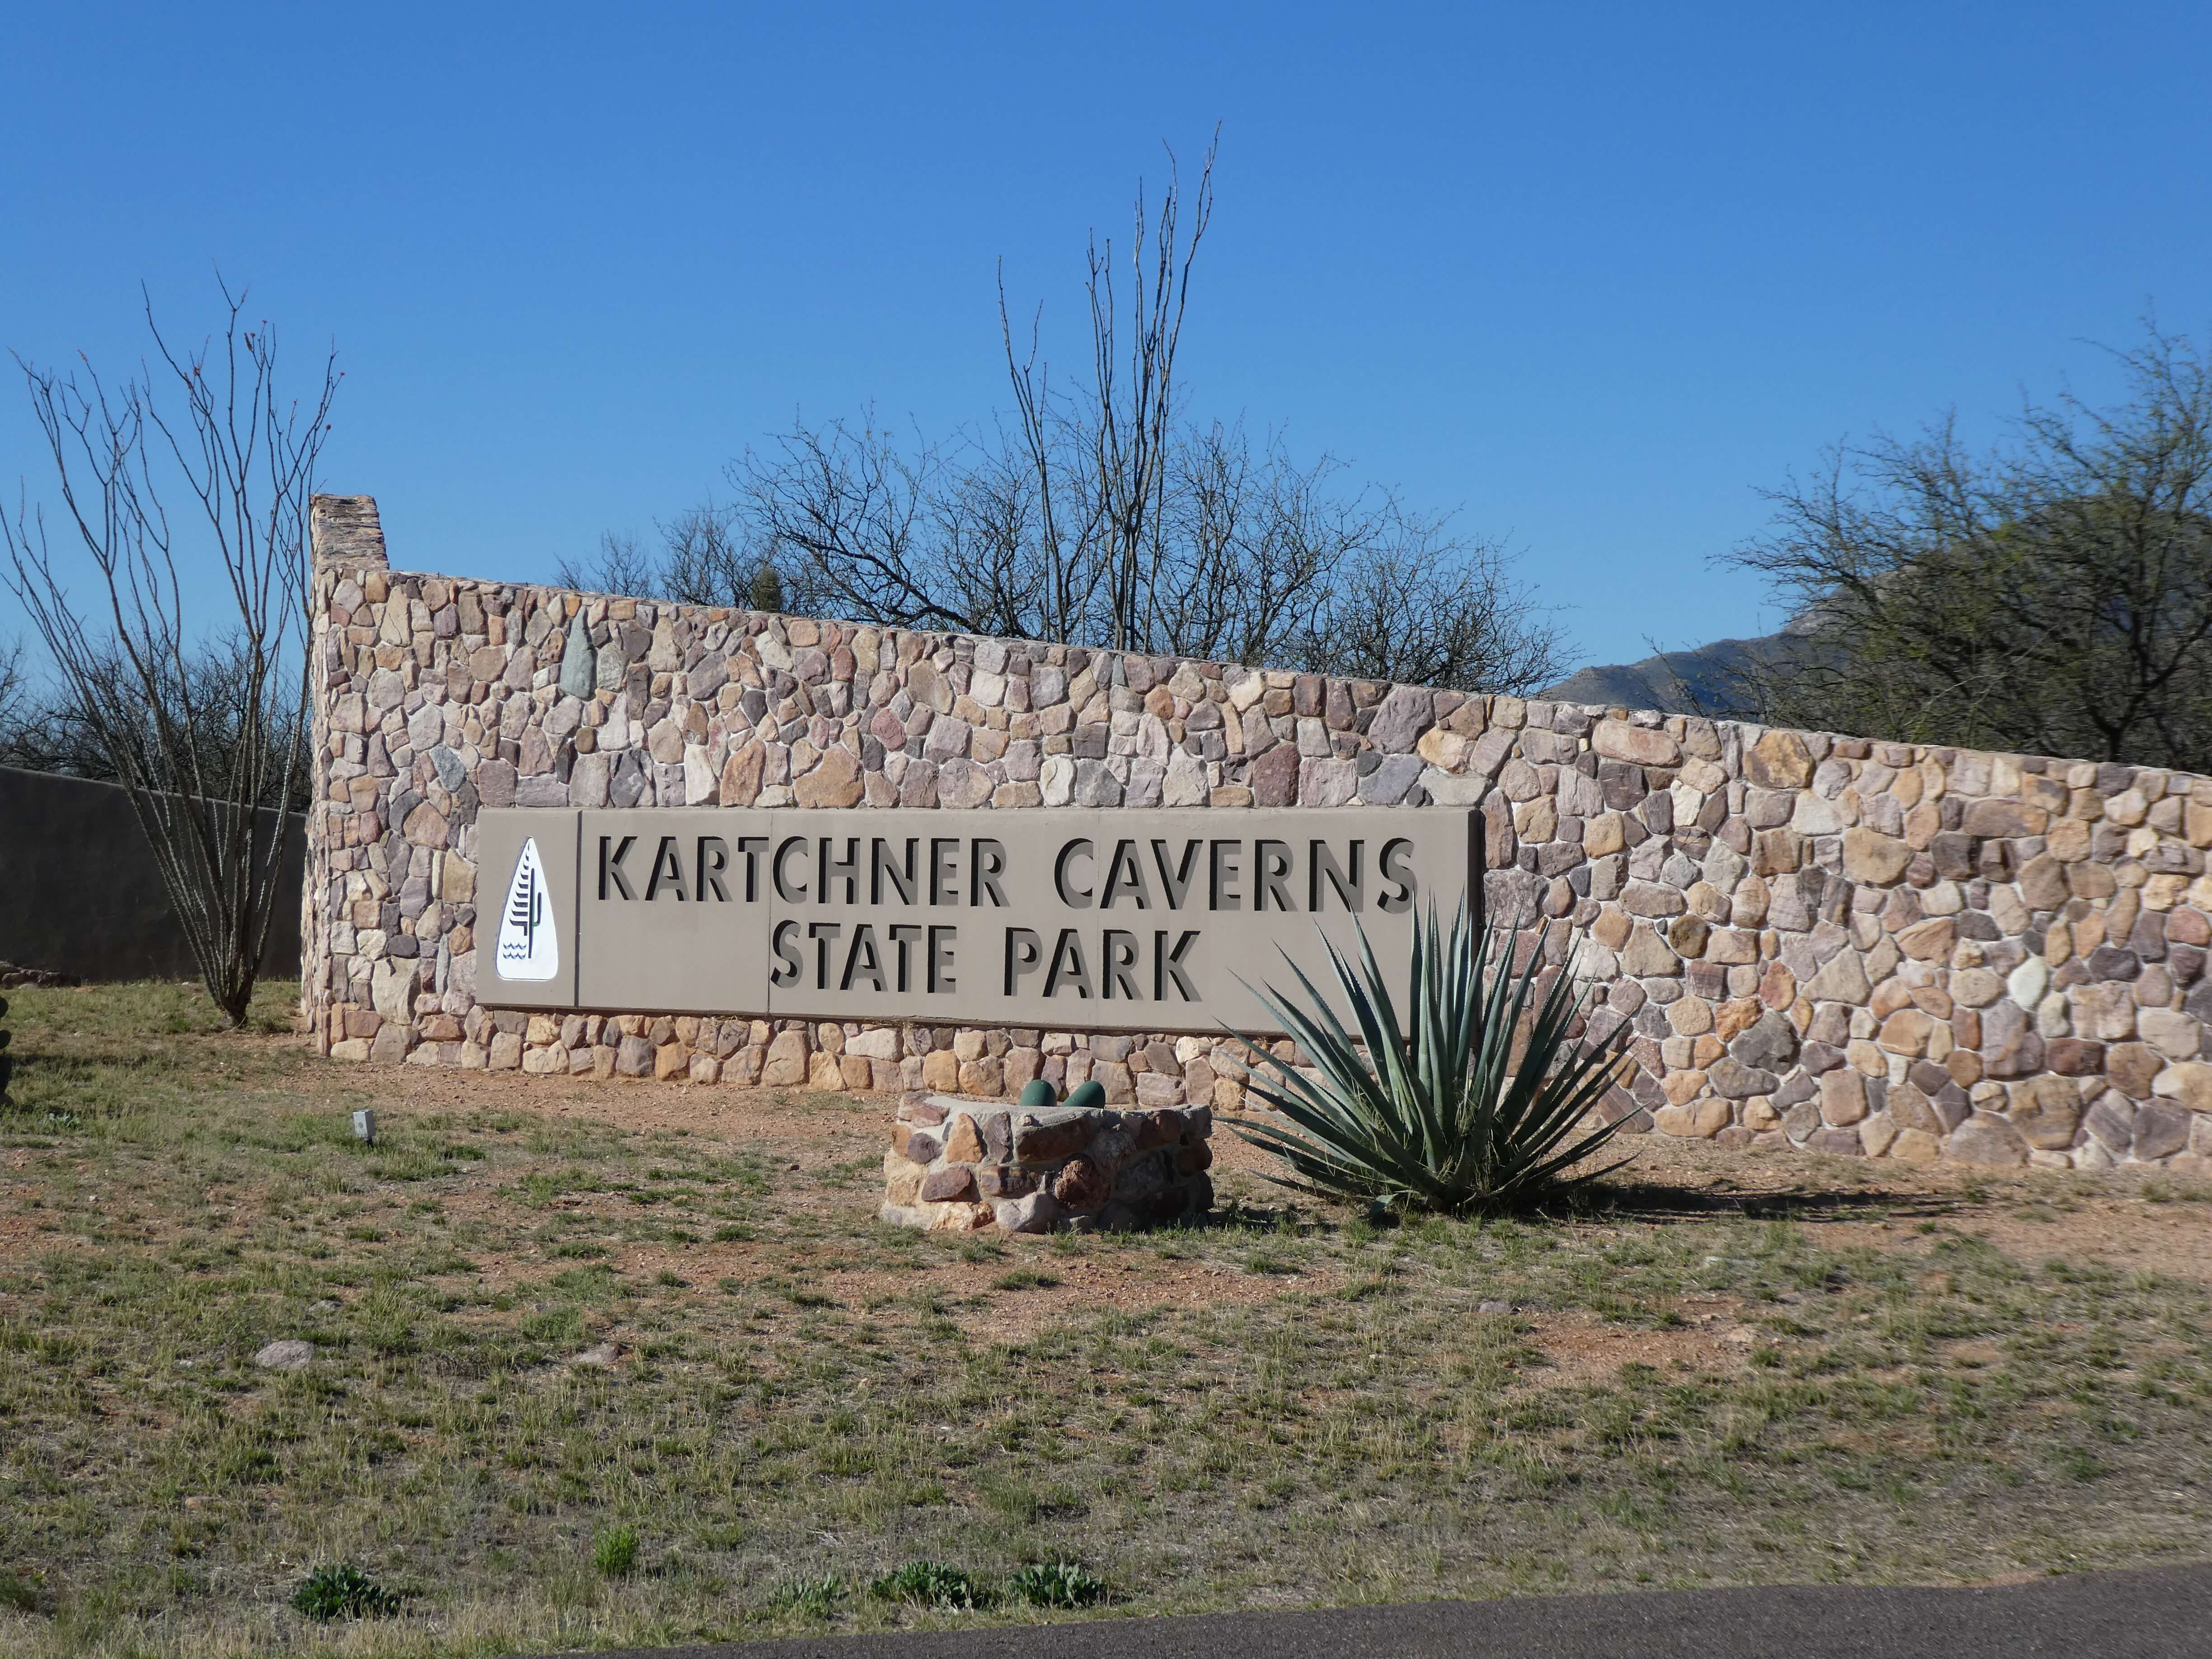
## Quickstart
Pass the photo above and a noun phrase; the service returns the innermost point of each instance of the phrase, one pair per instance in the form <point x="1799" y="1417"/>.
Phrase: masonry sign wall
<point x="1162" y="919"/>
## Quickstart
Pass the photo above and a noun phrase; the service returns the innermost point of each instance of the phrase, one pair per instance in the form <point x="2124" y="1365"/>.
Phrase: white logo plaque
<point x="529" y="943"/>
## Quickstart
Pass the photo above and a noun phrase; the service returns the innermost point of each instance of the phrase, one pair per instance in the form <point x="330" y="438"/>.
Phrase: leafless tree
<point x="210" y="759"/>
<point x="620" y="566"/>
<point x="1097" y="513"/>
<point x="15" y="698"/>
<point x="703" y="561"/>
<point x="2053" y="597"/>
<point x="1419" y="605"/>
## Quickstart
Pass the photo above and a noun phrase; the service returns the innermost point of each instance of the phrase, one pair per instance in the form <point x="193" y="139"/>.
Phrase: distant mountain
<point x="1701" y="680"/>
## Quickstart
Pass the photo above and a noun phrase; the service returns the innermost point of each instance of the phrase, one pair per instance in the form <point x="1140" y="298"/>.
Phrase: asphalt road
<point x="2161" y="1614"/>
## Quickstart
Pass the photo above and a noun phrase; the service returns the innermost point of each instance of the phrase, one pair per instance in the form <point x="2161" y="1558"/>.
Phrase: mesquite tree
<point x="2051" y="597"/>
<point x="210" y="759"/>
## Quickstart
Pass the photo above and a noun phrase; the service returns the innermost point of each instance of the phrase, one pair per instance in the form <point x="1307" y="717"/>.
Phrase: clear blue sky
<point x="1589" y="274"/>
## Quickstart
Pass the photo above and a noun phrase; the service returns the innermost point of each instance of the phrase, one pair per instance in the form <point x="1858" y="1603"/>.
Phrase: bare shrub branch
<point x="203" y="720"/>
<point x="1096" y="514"/>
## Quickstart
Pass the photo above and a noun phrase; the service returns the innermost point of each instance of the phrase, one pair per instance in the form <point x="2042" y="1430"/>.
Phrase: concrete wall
<point x="80" y="894"/>
<point x="1818" y="941"/>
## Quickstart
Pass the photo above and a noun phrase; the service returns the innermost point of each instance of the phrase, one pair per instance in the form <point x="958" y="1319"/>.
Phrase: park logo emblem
<point x="529" y="946"/>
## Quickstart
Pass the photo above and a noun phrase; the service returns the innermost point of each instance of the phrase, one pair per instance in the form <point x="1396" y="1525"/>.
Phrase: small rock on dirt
<point x="599" y="1354"/>
<point x="1494" y="1306"/>
<point x="290" y="1355"/>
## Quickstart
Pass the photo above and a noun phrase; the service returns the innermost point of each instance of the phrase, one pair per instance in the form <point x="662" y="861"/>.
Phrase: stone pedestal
<point x="963" y="1166"/>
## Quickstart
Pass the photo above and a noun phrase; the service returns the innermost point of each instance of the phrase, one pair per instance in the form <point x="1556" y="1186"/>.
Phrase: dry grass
<point x="1726" y="1373"/>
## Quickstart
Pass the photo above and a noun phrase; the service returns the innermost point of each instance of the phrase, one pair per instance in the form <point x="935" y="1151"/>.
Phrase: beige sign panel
<point x="1128" y="919"/>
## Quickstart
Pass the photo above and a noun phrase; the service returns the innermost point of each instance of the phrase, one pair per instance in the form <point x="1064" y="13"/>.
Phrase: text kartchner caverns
<point x="1062" y="920"/>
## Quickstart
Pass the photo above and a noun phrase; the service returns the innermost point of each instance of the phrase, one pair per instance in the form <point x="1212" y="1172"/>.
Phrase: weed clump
<point x="814" y="1596"/>
<point x="615" y="1554"/>
<point x="344" y="1591"/>
<point x="932" y="1584"/>
<point x="1059" y="1584"/>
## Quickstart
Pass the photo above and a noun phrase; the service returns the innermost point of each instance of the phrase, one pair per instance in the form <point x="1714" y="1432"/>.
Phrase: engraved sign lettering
<point x="1162" y="919"/>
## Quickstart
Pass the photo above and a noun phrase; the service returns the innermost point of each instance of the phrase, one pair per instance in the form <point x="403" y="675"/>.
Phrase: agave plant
<point x="1441" y="1114"/>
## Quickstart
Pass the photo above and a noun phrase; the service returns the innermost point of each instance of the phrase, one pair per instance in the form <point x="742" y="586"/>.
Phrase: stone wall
<point x="1821" y="942"/>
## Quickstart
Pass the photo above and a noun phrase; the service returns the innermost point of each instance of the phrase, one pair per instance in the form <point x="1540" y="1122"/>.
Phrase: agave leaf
<point x="1432" y="1110"/>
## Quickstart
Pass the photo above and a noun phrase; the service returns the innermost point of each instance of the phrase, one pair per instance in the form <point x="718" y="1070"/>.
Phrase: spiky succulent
<point x="1477" y="1105"/>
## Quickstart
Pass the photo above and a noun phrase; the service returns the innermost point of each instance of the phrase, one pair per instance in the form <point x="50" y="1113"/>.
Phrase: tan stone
<point x="1611" y="929"/>
<point x="1779" y="760"/>
<point x="1732" y="1019"/>
<point x="1443" y="749"/>
<point x="2004" y="819"/>
<point x="1641" y="745"/>
<point x="1690" y="1015"/>
<point x="785" y="1065"/>
<point x="1735" y="947"/>
<point x="1707" y="902"/>
<point x="1604" y="834"/>
<point x="1774" y="852"/>
<point x="2189" y="1084"/>
<point x="961" y="1218"/>
<point x="1750" y="903"/>
<point x="835" y="781"/>
<point x="2046" y="1110"/>
<point x="1842" y="978"/>
<point x="902" y="1180"/>
<point x="1873" y="858"/>
<point x="1930" y="940"/>
<point x="2162" y="892"/>
<point x="963" y="1142"/>
<point x="2132" y="1068"/>
<point x="741" y="776"/>
<point x="1537" y="820"/>
<point x="1843" y="1097"/>
<point x="940" y="1070"/>
<point x="1987" y="1140"/>
<point x="2068" y="840"/>
<point x="1699" y="1121"/>
<point x="1647" y="955"/>
<point x="2173" y="1033"/>
<point x="1916" y="1146"/>
<point x="1976" y="988"/>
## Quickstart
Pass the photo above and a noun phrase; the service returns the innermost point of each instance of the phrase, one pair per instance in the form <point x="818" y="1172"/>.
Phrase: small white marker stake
<point x="364" y="1127"/>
